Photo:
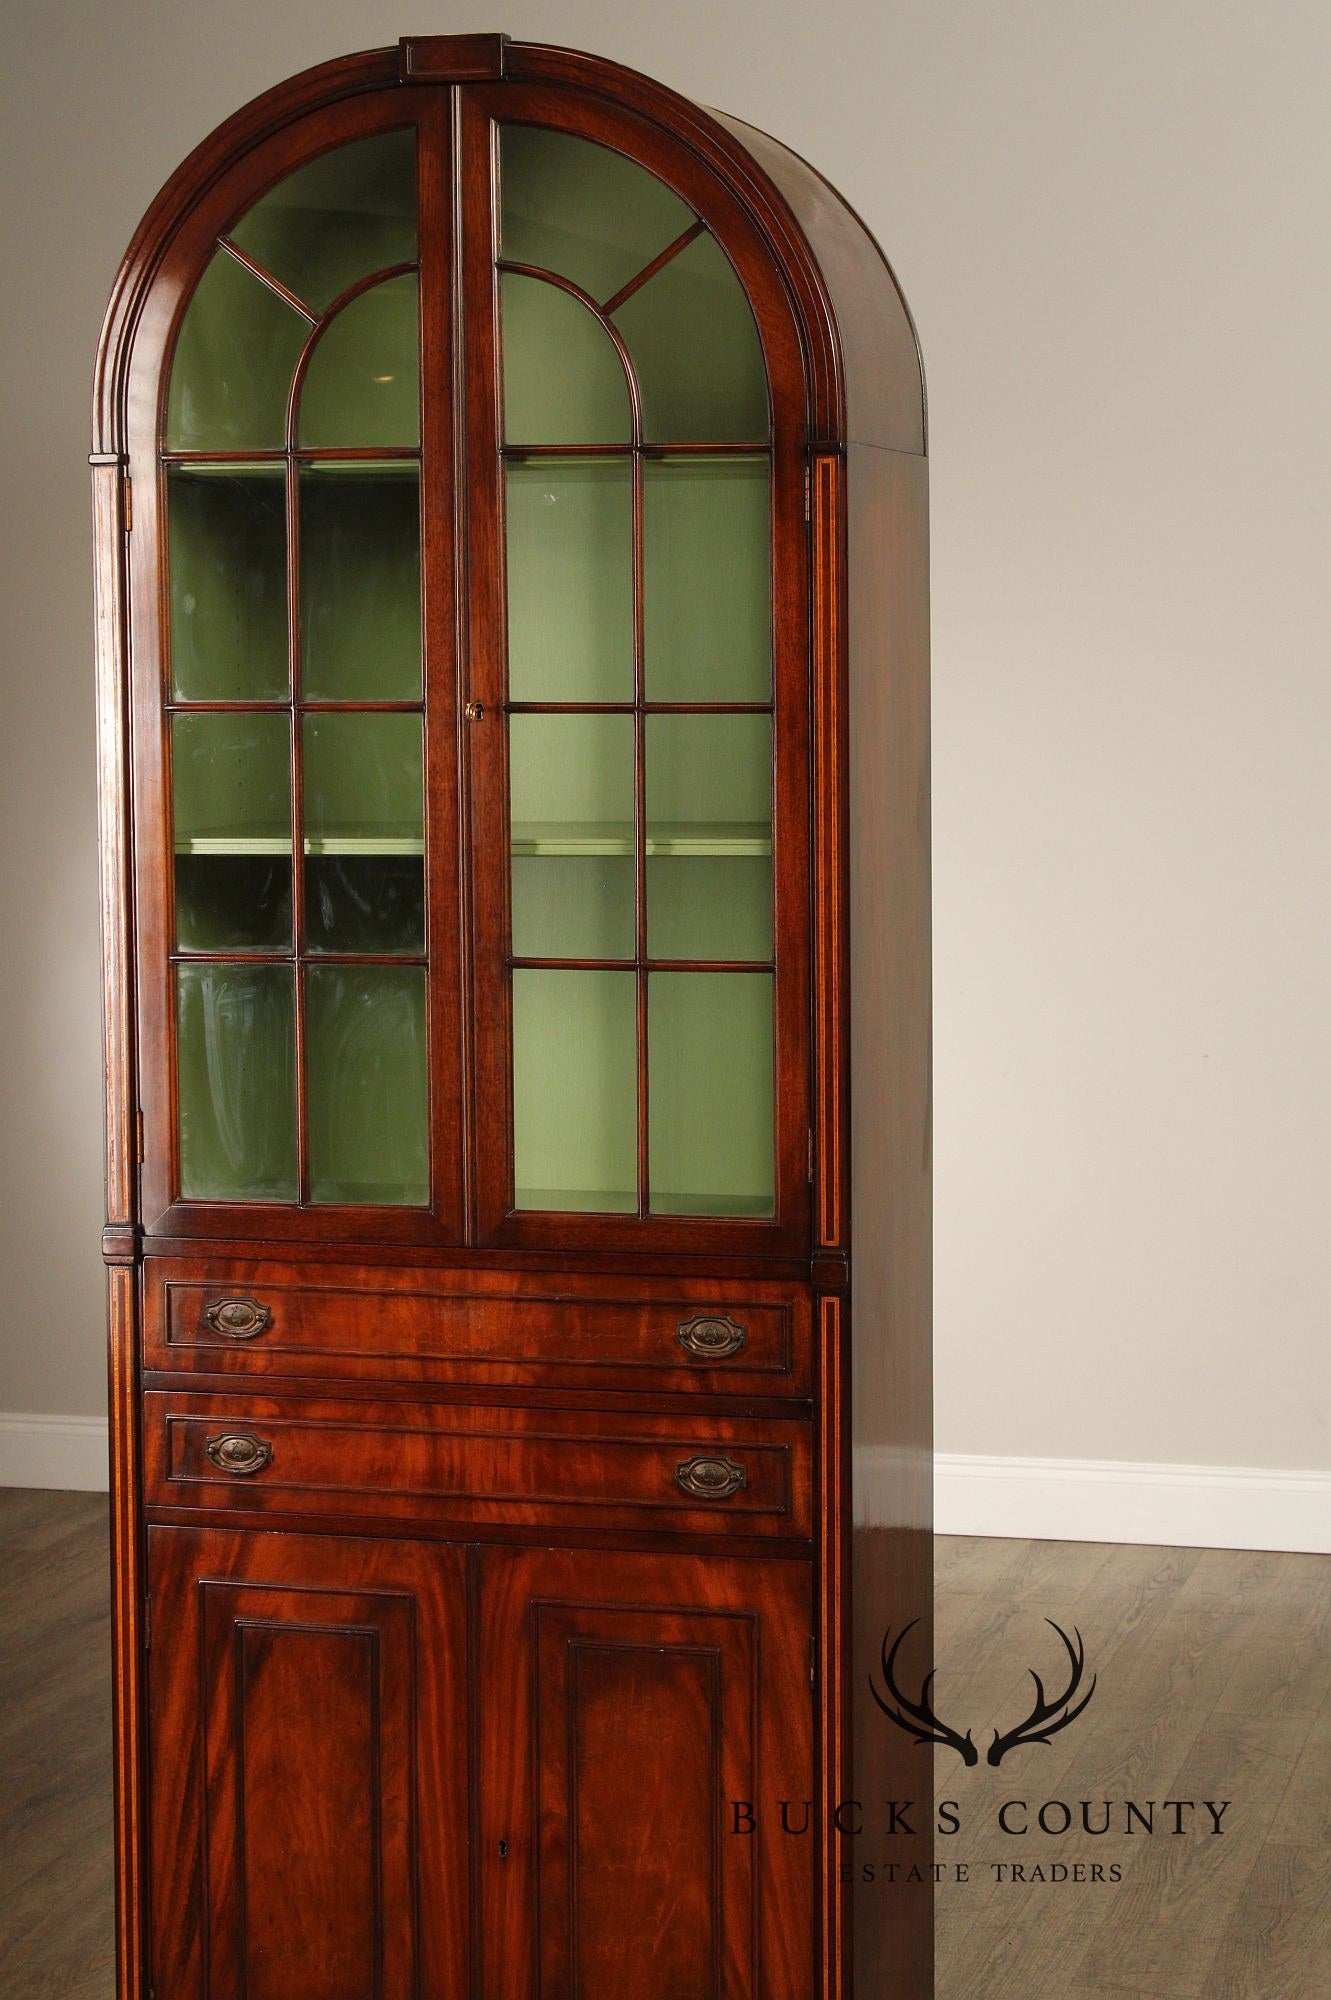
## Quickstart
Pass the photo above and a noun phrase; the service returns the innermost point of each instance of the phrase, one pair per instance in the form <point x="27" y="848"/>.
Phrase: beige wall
<point x="1110" y="219"/>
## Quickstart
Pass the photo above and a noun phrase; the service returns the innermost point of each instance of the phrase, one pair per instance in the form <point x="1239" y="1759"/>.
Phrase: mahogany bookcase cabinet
<point x="510" y="493"/>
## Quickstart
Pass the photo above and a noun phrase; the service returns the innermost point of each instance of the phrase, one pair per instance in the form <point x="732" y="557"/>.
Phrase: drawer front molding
<point x="486" y="1328"/>
<point x="529" y="1467"/>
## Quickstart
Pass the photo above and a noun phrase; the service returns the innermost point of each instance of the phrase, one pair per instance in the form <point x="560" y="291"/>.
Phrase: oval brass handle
<point x="238" y="1319"/>
<point x="711" y="1338"/>
<point x="239" y="1452"/>
<point x="710" y="1478"/>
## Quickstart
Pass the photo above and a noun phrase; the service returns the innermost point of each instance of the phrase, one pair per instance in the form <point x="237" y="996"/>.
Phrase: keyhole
<point x="503" y="1850"/>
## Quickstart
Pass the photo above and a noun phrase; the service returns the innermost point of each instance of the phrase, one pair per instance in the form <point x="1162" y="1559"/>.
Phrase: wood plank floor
<point x="1214" y="1683"/>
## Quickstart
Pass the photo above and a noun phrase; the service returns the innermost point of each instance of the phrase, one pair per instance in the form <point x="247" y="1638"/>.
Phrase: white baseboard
<point x="1036" y="1499"/>
<point x="1107" y="1500"/>
<point x="66" y="1453"/>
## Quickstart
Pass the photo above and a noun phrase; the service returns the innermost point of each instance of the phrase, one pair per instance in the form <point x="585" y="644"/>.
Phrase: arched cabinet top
<point x="863" y="379"/>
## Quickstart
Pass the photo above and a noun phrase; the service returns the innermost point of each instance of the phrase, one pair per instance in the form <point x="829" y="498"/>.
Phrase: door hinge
<point x="810" y="1155"/>
<point x="147" y="1623"/>
<point x="808" y="492"/>
<point x="813" y="1660"/>
<point x="138" y="1137"/>
<point x="128" y="489"/>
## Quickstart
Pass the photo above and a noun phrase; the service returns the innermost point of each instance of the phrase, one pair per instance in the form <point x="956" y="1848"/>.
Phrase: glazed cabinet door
<point x="308" y="1768"/>
<point x="291" y="583"/>
<point x="626" y="1702"/>
<point x="639" y="692"/>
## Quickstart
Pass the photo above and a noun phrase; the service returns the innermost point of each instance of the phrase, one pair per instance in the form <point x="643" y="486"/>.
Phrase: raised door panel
<point x="308" y="1768"/>
<point x="626" y="1702"/>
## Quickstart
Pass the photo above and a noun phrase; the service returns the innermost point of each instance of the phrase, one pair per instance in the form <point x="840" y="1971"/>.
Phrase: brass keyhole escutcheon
<point x="474" y="711"/>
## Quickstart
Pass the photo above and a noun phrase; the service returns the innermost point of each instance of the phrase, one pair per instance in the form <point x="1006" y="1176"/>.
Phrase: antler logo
<point x="1045" y="1720"/>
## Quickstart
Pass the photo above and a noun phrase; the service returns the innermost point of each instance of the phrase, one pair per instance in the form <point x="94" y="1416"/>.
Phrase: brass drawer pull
<point x="711" y="1337"/>
<point x="239" y="1452"/>
<point x="238" y="1319"/>
<point x="710" y="1478"/>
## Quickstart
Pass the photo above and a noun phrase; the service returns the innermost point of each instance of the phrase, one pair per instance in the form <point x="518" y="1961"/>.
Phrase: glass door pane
<point x="360" y="581"/>
<point x="231" y="779"/>
<point x="571" y="801"/>
<point x="236" y="1082"/>
<point x="363" y="382"/>
<point x="710" y="1065"/>
<point x="709" y="836"/>
<point x="364" y="833"/>
<point x="563" y="381"/>
<point x="366" y="1041"/>
<point x="235" y="356"/>
<point x="708" y="591"/>
<point x="575" y="1070"/>
<point x="570" y="579"/>
<point x="346" y="213"/>
<point x="228" y="547"/>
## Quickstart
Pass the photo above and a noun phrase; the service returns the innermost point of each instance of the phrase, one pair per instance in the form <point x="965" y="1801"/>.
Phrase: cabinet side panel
<point x="113" y="839"/>
<point x="891" y="1180"/>
<point x="127" y="1630"/>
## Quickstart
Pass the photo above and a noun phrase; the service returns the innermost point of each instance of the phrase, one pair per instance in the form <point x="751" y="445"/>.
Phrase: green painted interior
<point x="227" y="541"/>
<point x="582" y="210"/>
<point x="360" y="582"/>
<point x="235" y="357"/>
<point x="575" y="1090"/>
<point x="237" y="1083"/>
<point x="707" y="584"/>
<point x="343" y="215"/>
<point x="570" y="579"/>
<point x="367" y="1083"/>
<point x="710" y="1128"/>
<point x="362" y="386"/>
<point x="563" y="381"/>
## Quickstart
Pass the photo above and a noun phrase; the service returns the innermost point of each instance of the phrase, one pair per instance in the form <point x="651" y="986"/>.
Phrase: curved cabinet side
<point x="884" y="372"/>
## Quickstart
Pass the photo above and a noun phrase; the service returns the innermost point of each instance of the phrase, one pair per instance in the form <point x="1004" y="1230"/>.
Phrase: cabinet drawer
<point x="491" y="1328"/>
<point x="460" y="1462"/>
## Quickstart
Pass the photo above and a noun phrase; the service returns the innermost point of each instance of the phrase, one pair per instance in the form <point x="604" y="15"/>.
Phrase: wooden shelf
<point x="683" y="839"/>
<point x="664" y="837"/>
<point x="247" y="845"/>
<point x="602" y="1201"/>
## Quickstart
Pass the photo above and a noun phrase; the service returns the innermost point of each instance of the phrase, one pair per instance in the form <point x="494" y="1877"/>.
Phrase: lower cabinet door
<point x="308" y="1763"/>
<point x="634" y="1711"/>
